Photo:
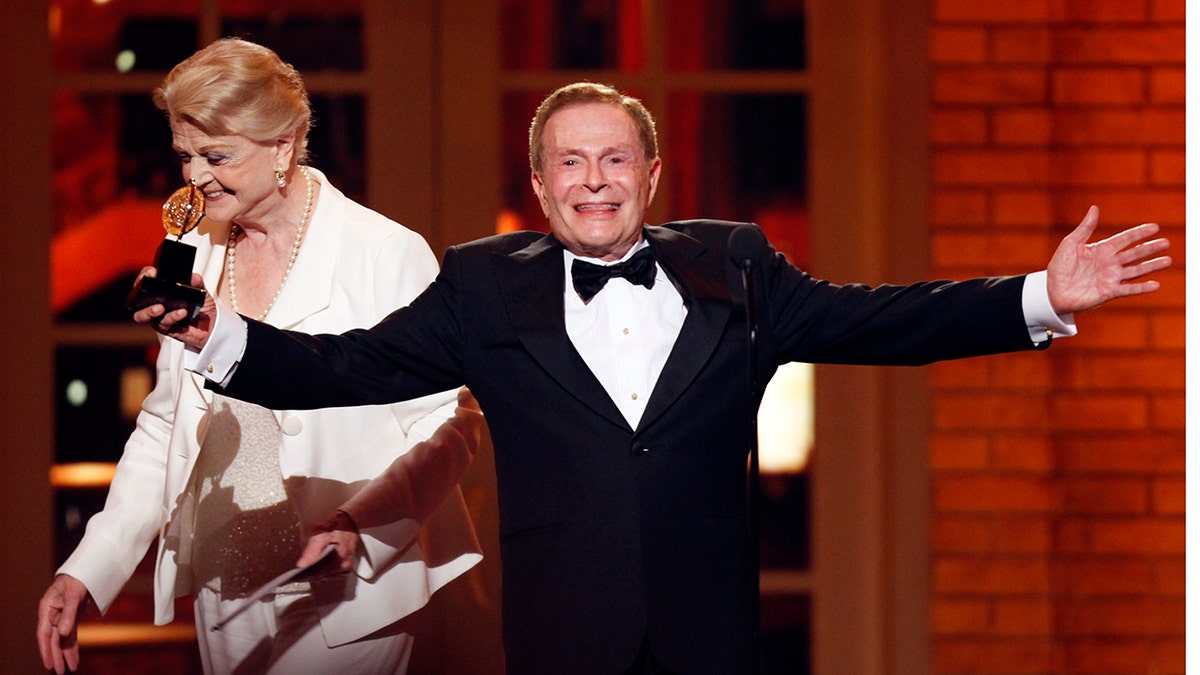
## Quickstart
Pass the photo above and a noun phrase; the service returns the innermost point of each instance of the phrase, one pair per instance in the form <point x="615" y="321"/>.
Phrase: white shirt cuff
<point x="1040" y="318"/>
<point x="226" y="344"/>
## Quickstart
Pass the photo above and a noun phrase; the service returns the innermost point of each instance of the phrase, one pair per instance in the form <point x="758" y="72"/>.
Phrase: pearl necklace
<point x="231" y="252"/>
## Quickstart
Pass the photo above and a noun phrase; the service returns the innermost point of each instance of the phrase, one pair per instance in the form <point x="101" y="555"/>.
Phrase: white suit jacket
<point x="354" y="267"/>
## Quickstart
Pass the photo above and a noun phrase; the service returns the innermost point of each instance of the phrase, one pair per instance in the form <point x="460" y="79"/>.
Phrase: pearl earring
<point x="280" y="177"/>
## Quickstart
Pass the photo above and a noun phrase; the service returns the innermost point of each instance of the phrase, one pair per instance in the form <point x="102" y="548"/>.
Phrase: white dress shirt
<point x="625" y="333"/>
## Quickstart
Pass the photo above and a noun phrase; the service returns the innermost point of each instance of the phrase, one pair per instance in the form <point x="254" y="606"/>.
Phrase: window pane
<point x="741" y="157"/>
<point x="99" y="391"/>
<point x="735" y="34"/>
<point x="592" y="34"/>
<point x="130" y="35"/>
<point x="337" y="142"/>
<point x="311" y="35"/>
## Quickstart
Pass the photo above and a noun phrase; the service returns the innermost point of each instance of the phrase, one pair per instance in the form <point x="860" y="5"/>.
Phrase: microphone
<point x="746" y="244"/>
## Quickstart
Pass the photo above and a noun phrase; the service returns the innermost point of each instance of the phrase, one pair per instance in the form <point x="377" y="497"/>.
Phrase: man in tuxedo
<point x="618" y="406"/>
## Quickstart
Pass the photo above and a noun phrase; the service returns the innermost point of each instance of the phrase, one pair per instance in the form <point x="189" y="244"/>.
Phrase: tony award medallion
<point x="172" y="287"/>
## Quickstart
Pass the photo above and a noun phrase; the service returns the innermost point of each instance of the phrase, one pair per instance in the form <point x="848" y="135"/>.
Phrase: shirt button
<point x="625" y="331"/>
<point x="633" y="396"/>
<point x="291" y="425"/>
<point x="208" y="368"/>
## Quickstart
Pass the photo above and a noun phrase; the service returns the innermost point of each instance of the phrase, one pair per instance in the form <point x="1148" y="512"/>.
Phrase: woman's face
<point x="236" y="174"/>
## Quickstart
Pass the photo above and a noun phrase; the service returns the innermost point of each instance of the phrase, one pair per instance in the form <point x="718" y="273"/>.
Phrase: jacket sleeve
<point x="117" y="538"/>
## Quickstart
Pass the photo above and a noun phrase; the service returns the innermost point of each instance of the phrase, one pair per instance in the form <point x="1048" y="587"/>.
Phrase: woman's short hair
<point x="590" y="92"/>
<point x="234" y="86"/>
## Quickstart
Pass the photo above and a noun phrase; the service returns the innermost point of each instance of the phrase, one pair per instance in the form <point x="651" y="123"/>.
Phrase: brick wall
<point x="1058" y="477"/>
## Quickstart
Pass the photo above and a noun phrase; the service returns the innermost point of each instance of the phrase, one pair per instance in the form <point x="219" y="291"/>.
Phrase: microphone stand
<point x="752" y="479"/>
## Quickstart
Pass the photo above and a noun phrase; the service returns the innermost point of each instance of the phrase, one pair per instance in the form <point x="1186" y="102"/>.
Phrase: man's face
<point x="596" y="183"/>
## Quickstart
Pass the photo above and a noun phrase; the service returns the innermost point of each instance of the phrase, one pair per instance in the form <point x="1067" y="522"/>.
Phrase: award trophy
<point x="172" y="286"/>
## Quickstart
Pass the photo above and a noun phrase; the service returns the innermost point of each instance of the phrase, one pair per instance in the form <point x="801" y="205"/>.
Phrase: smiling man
<point x="617" y="405"/>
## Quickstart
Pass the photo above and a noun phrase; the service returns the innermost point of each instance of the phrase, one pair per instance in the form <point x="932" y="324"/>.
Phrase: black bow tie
<point x="589" y="278"/>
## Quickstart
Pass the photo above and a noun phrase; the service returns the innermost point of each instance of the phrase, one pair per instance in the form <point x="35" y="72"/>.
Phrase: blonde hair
<point x="590" y="92"/>
<point x="234" y="86"/>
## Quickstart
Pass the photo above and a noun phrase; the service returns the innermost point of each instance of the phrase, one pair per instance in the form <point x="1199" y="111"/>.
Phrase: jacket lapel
<point x="310" y="286"/>
<point x="531" y="285"/>
<point x="699" y="273"/>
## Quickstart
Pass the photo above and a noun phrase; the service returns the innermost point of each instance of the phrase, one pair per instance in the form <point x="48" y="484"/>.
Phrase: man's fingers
<point x="1086" y="227"/>
<point x="1131" y="236"/>
<point x="1147" y="267"/>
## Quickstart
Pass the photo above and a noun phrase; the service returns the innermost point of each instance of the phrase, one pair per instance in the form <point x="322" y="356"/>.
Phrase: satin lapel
<point x="700" y="275"/>
<point x="531" y="285"/>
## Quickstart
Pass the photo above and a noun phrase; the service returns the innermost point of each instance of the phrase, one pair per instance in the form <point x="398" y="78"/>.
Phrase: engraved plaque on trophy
<point x="172" y="286"/>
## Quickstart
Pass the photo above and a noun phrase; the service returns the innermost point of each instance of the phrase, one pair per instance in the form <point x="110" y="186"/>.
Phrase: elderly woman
<point x="232" y="491"/>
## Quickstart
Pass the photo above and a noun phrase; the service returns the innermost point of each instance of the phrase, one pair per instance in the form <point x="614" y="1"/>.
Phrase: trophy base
<point x="170" y="294"/>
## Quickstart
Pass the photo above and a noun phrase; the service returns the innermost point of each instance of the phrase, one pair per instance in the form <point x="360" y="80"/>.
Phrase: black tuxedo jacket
<point x="612" y="535"/>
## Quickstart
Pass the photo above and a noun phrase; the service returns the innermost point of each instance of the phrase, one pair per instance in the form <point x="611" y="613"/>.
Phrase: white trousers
<point x="282" y="634"/>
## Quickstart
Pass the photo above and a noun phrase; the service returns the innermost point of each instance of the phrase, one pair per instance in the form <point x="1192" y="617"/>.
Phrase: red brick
<point x="1036" y="375"/>
<point x="1111" y="328"/>
<point x="960" y="534"/>
<point x="1031" y="656"/>
<point x="1024" y="617"/>
<point x="1128" y="496"/>
<point x="1071" y="535"/>
<point x="959" y="207"/>
<point x="1091" y="126"/>
<point x="1163" y="11"/>
<point x="1025" y="452"/>
<point x="1022" y="533"/>
<point x="1015" y="251"/>
<point x="1096" y="11"/>
<point x="1168" y="330"/>
<point x="1127" y="617"/>
<point x="1168" y="657"/>
<point x="994" y="495"/>
<point x="1098" y="85"/>
<point x="958" y="127"/>
<point x="1169" y="412"/>
<point x="1148" y="45"/>
<point x="1124" y="207"/>
<point x="973" y="11"/>
<point x="1023" y="126"/>
<point x="989" y="411"/>
<point x="1022" y="44"/>
<point x="959" y="374"/>
<point x="1092" y="576"/>
<point x="1168" y="496"/>
<point x="1112" y="412"/>
<point x="1110" y="656"/>
<point x="957" y="44"/>
<point x="1168" y="167"/>
<point x="1146" y="536"/>
<point x="1131" y="371"/>
<point x="958" y="451"/>
<point x="984" y="85"/>
<point x="1016" y="207"/>
<point x="1099" y="167"/>
<point x="1121" y="452"/>
<point x="1006" y="576"/>
<point x="1168" y="85"/>
<point x="992" y="167"/>
<point x="954" y="617"/>
<point x="1169" y="576"/>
